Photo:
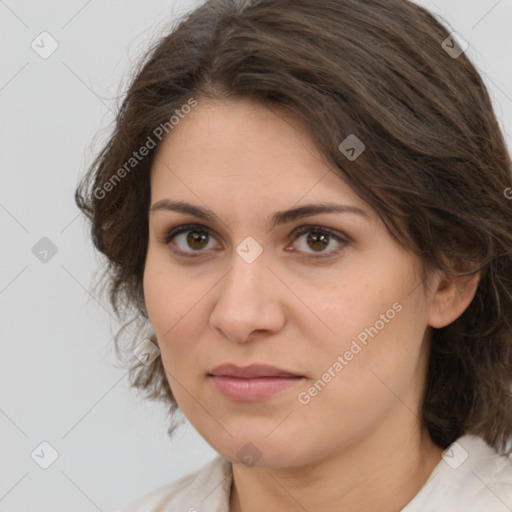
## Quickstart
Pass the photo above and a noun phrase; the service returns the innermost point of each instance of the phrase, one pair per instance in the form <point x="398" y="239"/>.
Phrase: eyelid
<point x="341" y="238"/>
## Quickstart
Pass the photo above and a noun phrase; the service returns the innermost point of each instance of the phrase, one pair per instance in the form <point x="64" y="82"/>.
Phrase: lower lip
<point x="253" y="390"/>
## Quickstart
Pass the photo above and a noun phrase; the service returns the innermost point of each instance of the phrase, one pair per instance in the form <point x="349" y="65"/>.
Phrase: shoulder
<point x="471" y="477"/>
<point x="207" y="487"/>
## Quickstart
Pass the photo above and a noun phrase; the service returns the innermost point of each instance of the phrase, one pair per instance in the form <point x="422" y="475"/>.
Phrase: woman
<point x="306" y="204"/>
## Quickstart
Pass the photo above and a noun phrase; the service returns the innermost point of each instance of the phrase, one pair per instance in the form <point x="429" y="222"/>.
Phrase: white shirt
<point x="471" y="477"/>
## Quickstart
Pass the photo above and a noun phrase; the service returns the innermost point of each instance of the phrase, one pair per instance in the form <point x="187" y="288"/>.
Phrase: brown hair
<point x="435" y="161"/>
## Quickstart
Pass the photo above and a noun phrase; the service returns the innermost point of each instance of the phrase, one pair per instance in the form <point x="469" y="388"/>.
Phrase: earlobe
<point x="451" y="298"/>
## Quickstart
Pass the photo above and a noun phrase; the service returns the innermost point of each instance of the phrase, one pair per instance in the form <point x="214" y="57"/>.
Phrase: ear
<point x="451" y="295"/>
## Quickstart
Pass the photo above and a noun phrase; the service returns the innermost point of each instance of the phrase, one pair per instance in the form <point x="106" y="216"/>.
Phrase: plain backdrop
<point x="59" y="380"/>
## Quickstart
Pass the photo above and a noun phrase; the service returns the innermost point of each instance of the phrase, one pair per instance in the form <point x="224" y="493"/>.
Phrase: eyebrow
<point x="281" y="217"/>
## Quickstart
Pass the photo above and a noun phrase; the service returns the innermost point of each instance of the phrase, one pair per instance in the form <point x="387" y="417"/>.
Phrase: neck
<point x="381" y="472"/>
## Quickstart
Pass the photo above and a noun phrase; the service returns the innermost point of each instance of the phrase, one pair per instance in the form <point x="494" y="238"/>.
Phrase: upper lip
<point x="251" y="371"/>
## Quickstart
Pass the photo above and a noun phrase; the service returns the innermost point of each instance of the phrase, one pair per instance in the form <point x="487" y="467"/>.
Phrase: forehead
<point x="239" y="135"/>
<point x="242" y="161"/>
<point x="244" y="148"/>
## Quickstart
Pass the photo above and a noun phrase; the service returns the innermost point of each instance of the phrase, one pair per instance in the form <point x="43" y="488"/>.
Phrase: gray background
<point x="58" y="378"/>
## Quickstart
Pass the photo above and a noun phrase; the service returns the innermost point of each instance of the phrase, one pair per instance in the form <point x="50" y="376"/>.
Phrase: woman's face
<point x="347" y="316"/>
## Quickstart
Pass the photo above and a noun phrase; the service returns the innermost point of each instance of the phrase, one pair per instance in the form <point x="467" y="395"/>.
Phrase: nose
<point x="248" y="301"/>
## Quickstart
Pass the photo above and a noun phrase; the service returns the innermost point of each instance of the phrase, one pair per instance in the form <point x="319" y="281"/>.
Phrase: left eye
<point x="197" y="238"/>
<point x="318" y="238"/>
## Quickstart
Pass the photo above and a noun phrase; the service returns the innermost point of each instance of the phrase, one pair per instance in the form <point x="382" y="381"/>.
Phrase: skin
<point x="359" y="444"/>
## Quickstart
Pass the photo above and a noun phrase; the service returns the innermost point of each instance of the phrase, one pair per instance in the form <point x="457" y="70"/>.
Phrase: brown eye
<point x="193" y="240"/>
<point x="196" y="239"/>
<point x="188" y="240"/>
<point x="318" y="239"/>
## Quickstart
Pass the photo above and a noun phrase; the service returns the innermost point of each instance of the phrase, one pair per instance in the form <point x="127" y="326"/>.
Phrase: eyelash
<point x="166" y="239"/>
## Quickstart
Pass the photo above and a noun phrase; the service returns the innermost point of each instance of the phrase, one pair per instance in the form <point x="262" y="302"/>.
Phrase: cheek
<point x="347" y="310"/>
<point x="158" y="302"/>
<point x="167" y="305"/>
<point x="167" y="296"/>
<point x="375" y="361"/>
<point x="173" y="307"/>
<point x="373" y="322"/>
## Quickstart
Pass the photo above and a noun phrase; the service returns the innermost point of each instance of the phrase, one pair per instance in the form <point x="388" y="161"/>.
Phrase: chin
<point x="259" y="450"/>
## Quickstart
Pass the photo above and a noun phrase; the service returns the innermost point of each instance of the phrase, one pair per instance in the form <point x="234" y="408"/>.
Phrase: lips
<point x="251" y="372"/>
<point x="252" y="383"/>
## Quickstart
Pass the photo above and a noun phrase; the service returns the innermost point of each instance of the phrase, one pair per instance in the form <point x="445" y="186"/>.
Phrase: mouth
<point x="252" y="383"/>
<point x="252" y="371"/>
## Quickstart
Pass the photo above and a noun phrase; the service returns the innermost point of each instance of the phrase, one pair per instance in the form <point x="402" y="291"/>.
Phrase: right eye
<point x="191" y="236"/>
